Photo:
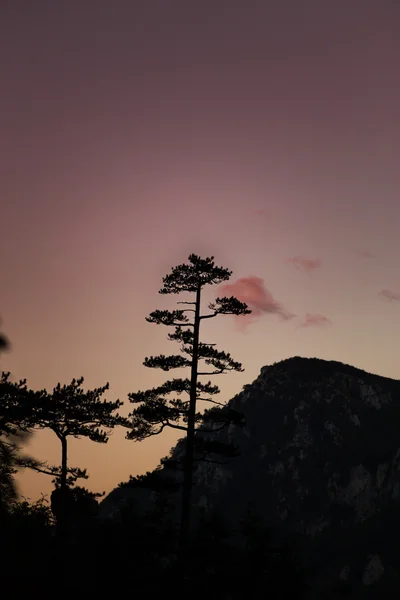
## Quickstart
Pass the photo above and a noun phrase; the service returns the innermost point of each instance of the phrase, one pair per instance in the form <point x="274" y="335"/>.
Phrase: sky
<point x="135" y="132"/>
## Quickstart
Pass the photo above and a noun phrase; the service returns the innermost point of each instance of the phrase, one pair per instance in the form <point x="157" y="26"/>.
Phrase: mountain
<point x="319" y="461"/>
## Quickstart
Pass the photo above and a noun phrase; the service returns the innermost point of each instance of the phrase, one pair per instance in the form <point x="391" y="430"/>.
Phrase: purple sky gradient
<point x="133" y="133"/>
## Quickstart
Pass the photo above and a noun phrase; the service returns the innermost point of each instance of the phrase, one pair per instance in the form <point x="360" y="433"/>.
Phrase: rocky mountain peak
<point x="319" y="460"/>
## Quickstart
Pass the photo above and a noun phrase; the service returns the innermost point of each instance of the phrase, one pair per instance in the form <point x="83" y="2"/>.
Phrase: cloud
<point x="389" y="295"/>
<point x="315" y="320"/>
<point x="365" y="254"/>
<point x="253" y="292"/>
<point x="305" y="264"/>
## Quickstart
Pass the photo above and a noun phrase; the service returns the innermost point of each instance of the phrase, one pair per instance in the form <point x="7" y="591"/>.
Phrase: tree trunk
<point x="62" y="525"/>
<point x="64" y="467"/>
<point x="60" y="557"/>
<point x="189" y="454"/>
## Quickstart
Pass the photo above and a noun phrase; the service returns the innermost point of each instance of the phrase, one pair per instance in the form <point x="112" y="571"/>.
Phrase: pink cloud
<point x="261" y="212"/>
<point x="305" y="264"/>
<point x="389" y="295"/>
<point x="253" y="292"/>
<point x="315" y="321"/>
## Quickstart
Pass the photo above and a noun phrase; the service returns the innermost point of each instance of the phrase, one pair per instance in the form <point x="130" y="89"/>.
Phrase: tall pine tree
<point x="156" y="409"/>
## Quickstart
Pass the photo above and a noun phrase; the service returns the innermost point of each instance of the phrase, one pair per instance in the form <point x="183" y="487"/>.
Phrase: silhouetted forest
<point x="63" y="545"/>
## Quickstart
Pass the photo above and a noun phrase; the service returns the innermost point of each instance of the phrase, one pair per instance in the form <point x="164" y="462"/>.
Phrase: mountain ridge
<point x="319" y="460"/>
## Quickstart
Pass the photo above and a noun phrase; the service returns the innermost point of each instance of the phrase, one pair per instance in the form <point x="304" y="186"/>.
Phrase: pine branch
<point x="166" y="363"/>
<point x="181" y="335"/>
<point x="174" y="318"/>
<point x="227" y="306"/>
<point x="188" y="277"/>
<point x="177" y="386"/>
<point x="73" y="473"/>
<point x="139" y="434"/>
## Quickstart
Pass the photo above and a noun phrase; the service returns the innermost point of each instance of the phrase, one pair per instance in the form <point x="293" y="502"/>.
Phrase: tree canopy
<point x="69" y="410"/>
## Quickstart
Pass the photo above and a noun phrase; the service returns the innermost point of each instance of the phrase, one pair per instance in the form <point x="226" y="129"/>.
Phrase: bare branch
<point x="208" y="316"/>
<point x="176" y="426"/>
<point x="220" y="372"/>
<point x="39" y="470"/>
<point x="210" y="400"/>
<point x="179" y="324"/>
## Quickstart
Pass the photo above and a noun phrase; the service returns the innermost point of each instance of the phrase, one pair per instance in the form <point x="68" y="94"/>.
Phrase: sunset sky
<point x="133" y="133"/>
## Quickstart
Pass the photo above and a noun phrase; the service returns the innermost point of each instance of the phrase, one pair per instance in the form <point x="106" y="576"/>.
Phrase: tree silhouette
<point x="4" y="342"/>
<point x="157" y="410"/>
<point x="83" y="504"/>
<point x="70" y="411"/>
<point x="14" y="431"/>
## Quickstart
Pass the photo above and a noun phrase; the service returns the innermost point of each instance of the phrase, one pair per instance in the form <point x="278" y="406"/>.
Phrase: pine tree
<point x="14" y="432"/>
<point x="157" y="410"/>
<point x="70" y="411"/>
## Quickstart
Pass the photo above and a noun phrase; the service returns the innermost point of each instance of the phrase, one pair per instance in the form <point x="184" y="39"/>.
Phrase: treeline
<point x="66" y="543"/>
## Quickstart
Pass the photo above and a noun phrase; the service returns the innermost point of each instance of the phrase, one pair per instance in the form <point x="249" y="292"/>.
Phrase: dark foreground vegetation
<point x="139" y="555"/>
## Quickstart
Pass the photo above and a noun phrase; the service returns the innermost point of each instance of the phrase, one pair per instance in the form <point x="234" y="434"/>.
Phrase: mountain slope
<point x="319" y="461"/>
